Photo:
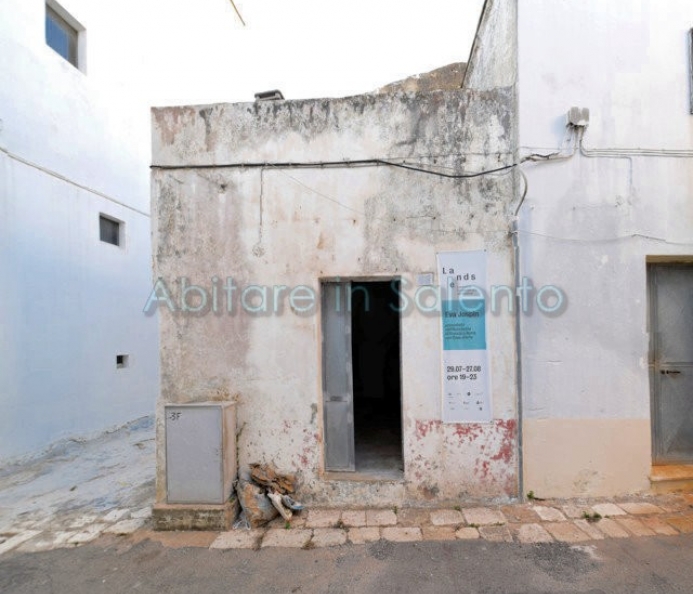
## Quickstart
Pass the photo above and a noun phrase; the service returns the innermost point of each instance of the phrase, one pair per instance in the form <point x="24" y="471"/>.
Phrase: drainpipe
<point x="514" y="231"/>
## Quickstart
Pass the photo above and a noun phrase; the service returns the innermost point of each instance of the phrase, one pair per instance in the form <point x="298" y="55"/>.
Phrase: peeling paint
<point x="346" y="222"/>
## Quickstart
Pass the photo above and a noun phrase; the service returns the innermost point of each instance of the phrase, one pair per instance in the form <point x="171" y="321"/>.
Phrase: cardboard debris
<point x="267" y="476"/>
<point x="257" y="507"/>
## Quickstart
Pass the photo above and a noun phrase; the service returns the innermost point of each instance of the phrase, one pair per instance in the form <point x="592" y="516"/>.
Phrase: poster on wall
<point x="465" y="369"/>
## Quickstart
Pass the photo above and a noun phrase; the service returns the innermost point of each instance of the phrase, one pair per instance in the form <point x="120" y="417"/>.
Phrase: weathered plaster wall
<point x="588" y="225"/>
<point x="273" y="226"/>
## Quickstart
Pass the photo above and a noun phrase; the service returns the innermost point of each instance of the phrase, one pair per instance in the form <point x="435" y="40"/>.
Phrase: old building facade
<point x="270" y="215"/>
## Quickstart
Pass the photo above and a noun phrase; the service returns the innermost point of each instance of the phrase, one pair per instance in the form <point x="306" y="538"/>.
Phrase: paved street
<point x="77" y="519"/>
<point x="113" y="564"/>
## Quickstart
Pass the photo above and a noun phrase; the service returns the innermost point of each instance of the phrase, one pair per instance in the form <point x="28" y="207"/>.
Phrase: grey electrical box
<point x="200" y="452"/>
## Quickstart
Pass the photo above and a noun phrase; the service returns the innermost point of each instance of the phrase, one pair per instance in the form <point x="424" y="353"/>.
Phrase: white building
<point x="77" y="355"/>
<point x="607" y="396"/>
<point x="605" y="400"/>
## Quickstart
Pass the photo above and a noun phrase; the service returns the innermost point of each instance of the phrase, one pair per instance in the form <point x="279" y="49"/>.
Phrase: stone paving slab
<point x="238" y="539"/>
<point x="567" y="532"/>
<point x="590" y="529"/>
<point x="413" y="516"/>
<point x="381" y="517"/>
<point x="16" y="540"/>
<point x="438" y="533"/>
<point x="363" y="535"/>
<point x="483" y="516"/>
<point x="446" y="517"/>
<point x="576" y="512"/>
<point x="294" y="539"/>
<point x="640" y="509"/>
<point x="532" y="534"/>
<point x="329" y="537"/>
<point x="467" y="533"/>
<point x="116" y="515"/>
<point x="611" y="529"/>
<point x="496" y="533"/>
<point x="634" y="526"/>
<point x="323" y="518"/>
<point x="125" y="526"/>
<point x="520" y="513"/>
<point x="354" y="518"/>
<point x="607" y="510"/>
<point x="549" y="514"/>
<point x="398" y="534"/>
<point x="683" y="524"/>
<point x="659" y="526"/>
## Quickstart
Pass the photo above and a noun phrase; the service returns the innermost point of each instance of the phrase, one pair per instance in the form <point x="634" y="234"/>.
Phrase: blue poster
<point x="464" y="349"/>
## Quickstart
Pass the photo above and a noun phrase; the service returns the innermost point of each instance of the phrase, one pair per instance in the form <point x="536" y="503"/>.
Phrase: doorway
<point x="361" y="378"/>
<point x="671" y="362"/>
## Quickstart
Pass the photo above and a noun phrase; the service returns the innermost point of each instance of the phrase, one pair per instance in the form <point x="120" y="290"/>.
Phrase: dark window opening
<point x="109" y="230"/>
<point x="121" y="361"/>
<point x="61" y="36"/>
<point x="376" y="366"/>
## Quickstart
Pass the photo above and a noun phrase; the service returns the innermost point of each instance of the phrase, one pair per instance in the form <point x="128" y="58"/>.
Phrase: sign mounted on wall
<point x="465" y="370"/>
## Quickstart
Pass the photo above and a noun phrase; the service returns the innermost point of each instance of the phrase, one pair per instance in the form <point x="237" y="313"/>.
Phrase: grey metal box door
<point x="200" y="457"/>
<point x="671" y="362"/>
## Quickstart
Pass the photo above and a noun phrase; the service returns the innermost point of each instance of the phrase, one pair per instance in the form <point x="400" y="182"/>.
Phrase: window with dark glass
<point x="61" y="36"/>
<point x="109" y="230"/>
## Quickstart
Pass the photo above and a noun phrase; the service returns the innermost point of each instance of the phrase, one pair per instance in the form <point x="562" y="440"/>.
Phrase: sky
<point x="199" y="51"/>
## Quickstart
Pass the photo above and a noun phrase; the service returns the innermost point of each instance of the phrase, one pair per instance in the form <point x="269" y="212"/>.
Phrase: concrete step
<point x="672" y="478"/>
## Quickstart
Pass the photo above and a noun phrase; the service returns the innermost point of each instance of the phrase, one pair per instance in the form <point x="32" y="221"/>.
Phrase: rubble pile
<point x="264" y="494"/>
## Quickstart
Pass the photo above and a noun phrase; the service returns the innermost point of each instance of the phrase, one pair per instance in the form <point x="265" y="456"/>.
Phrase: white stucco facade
<point x="591" y="222"/>
<point x="71" y="148"/>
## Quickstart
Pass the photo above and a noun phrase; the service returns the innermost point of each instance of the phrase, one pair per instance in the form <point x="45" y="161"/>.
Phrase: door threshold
<point x="672" y="478"/>
<point x="669" y="472"/>
<point x="386" y="476"/>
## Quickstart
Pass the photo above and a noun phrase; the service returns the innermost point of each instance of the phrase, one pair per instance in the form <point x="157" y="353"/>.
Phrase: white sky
<point x="197" y="51"/>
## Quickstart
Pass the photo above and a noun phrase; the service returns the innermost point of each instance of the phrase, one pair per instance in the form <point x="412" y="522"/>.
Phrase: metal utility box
<point x="200" y="452"/>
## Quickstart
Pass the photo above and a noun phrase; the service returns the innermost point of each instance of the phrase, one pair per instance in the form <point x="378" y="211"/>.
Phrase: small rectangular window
<point x="62" y="36"/>
<point x="110" y="230"/>
<point x="121" y="361"/>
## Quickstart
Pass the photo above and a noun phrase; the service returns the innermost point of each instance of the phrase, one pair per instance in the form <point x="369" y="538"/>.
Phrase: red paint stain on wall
<point x="468" y="431"/>
<point x="423" y="428"/>
<point x="508" y="429"/>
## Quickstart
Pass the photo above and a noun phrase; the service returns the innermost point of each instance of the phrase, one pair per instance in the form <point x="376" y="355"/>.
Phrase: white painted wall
<point x="70" y="303"/>
<point x="589" y="224"/>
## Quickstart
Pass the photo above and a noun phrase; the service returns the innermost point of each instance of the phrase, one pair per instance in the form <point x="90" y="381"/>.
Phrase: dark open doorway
<point x="376" y="368"/>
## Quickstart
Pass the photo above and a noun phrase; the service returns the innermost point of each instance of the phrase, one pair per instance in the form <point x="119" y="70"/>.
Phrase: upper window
<point x="62" y="34"/>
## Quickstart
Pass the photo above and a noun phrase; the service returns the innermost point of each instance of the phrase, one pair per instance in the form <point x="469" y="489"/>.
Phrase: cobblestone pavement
<point x="80" y="491"/>
<point x="572" y="522"/>
<point x="575" y="521"/>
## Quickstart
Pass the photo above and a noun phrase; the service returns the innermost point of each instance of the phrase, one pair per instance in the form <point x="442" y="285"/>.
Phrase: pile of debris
<point x="264" y="494"/>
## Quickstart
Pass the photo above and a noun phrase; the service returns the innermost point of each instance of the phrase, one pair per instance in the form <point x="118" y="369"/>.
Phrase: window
<point x="110" y="230"/>
<point x="62" y="33"/>
<point x="121" y="361"/>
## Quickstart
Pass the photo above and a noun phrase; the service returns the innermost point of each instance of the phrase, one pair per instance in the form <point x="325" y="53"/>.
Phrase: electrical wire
<point x="339" y="164"/>
<point x="637" y="152"/>
<point x="604" y="239"/>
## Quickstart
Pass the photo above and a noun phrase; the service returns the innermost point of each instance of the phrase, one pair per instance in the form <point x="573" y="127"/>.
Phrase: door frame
<point x="347" y="281"/>
<point x="654" y="366"/>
